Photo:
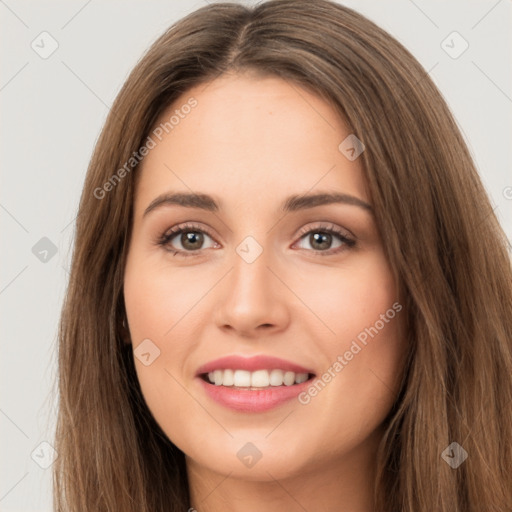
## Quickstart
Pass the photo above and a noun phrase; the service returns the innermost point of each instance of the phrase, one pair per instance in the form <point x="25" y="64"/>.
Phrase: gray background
<point x="53" y="110"/>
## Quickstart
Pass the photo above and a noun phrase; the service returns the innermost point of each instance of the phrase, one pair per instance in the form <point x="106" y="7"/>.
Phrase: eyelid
<point x="322" y="225"/>
<point x="349" y="241"/>
<point x="170" y="233"/>
<point x="184" y="226"/>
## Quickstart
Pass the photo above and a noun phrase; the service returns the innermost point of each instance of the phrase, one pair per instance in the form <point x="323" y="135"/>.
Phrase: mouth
<point x="253" y="384"/>
<point x="254" y="391"/>
<point x="255" y="380"/>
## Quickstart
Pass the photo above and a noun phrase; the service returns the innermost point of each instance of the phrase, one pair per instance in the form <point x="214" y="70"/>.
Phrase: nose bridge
<point x="250" y="275"/>
<point x="250" y="297"/>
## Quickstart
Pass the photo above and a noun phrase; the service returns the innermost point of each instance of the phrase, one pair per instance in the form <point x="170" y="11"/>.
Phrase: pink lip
<point x="250" y="400"/>
<point x="251" y="364"/>
<point x="247" y="400"/>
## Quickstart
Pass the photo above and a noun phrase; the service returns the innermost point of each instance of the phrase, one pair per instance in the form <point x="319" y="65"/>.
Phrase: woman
<point x="289" y="289"/>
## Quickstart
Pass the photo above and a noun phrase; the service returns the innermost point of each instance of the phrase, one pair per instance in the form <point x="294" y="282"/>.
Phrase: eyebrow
<point x="291" y="204"/>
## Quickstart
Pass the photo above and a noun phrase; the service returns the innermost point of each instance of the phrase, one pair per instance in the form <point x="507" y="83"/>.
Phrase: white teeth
<point x="217" y="377"/>
<point x="242" y="379"/>
<point x="259" y="379"/>
<point x="228" y="378"/>
<point x="300" y="378"/>
<point x="276" y="377"/>
<point x="289" y="378"/>
<point x="256" y="379"/>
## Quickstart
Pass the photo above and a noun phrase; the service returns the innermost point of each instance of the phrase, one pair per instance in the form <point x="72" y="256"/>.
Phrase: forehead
<point x="248" y="137"/>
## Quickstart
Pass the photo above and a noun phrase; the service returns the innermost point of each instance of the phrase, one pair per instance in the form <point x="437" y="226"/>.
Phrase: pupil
<point x="190" y="238"/>
<point x="319" y="243"/>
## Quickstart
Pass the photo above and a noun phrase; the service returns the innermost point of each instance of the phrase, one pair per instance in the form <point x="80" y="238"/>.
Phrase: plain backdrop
<point x="52" y="111"/>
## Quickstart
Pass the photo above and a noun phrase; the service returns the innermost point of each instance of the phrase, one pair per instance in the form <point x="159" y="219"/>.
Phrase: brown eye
<point x="326" y="240"/>
<point x="185" y="240"/>
<point x="320" y="241"/>
<point x="192" y="240"/>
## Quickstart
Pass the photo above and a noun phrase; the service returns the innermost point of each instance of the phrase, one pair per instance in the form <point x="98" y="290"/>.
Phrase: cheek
<point x="161" y="300"/>
<point x="350" y="299"/>
<point x="164" y="313"/>
<point x="363" y="345"/>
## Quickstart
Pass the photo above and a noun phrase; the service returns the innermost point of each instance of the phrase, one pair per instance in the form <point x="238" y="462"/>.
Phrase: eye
<point x="321" y="239"/>
<point x="185" y="239"/>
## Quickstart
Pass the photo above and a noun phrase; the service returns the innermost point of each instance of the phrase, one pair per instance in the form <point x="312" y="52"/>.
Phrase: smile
<point x="253" y="384"/>
<point x="255" y="380"/>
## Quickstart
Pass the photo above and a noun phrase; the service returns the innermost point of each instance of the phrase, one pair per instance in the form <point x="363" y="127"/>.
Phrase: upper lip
<point x="235" y="362"/>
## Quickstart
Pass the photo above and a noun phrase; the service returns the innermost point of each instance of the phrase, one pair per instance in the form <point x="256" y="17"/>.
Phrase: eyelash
<point x="168" y="235"/>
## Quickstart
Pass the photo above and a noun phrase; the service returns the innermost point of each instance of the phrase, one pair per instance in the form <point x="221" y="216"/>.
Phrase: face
<point x="272" y="283"/>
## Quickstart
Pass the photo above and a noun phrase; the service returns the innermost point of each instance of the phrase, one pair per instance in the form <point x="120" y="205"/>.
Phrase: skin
<point x="251" y="142"/>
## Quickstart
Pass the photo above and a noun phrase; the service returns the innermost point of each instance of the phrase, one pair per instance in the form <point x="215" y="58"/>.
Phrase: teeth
<point x="228" y="379"/>
<point x="242" y="379"/>
<point x="257" y="379"/>
<point x="217" y="377"/>
<point x="289" y="378"/>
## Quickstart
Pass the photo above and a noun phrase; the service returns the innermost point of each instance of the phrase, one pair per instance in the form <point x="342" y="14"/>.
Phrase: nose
<point x="252" y="301"/>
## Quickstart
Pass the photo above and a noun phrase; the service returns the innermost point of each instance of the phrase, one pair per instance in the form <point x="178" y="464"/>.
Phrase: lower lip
<point x="247" y="400"/>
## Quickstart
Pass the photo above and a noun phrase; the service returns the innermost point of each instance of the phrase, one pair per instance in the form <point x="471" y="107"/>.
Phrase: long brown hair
<point x="440" y="234"/>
